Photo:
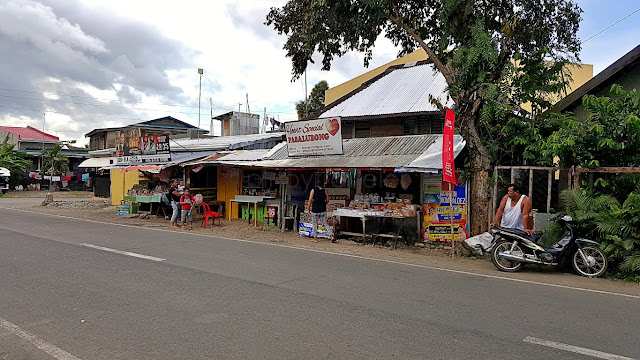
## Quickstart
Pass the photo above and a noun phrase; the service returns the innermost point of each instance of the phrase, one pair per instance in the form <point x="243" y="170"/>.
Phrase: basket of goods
<point x="391" y="181"/>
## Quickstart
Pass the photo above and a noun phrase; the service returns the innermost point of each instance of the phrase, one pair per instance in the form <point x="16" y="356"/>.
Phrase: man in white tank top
<point x="514" y="211"/>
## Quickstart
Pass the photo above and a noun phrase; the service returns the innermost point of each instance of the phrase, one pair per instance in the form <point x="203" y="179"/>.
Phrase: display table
<point x="378" y="220"/>
<point x="248" y="199"/>
<point x="151" y="199"/>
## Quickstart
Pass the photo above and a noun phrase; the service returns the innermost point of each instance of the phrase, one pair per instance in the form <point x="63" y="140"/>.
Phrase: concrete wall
<point x="13" y="138"/>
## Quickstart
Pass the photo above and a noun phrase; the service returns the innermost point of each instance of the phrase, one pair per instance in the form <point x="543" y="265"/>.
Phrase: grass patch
<point x="632" y="277"/>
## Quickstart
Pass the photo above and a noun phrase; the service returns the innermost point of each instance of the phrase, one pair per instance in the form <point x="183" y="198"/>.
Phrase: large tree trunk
<point x="480" y="195"/>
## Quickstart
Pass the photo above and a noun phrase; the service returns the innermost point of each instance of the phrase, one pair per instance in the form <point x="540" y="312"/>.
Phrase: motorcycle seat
<point x="533" y="237"/>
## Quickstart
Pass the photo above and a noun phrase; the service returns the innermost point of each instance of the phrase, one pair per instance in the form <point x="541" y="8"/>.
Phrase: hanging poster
<point x="146" y="149"/>
<point x="282" y="178"/>
<point x="437" y="210"/>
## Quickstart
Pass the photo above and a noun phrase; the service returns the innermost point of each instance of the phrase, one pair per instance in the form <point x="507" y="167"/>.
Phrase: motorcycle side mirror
<point x="566" y="218"/>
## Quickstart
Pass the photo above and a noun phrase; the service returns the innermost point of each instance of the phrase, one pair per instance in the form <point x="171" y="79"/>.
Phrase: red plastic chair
<point x="207" y="213"/>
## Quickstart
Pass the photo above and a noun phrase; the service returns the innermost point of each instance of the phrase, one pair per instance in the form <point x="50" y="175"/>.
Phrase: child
<point x="186" y="200"/>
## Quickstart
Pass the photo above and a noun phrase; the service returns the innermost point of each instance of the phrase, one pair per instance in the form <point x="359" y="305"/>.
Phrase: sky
<point x="71" y="66"/>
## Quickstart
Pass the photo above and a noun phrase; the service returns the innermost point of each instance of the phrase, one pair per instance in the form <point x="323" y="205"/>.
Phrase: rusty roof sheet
<point x="416" y="152"/>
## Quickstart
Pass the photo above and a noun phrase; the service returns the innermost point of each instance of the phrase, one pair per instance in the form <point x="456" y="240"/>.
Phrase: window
<point x="362" y="129"/>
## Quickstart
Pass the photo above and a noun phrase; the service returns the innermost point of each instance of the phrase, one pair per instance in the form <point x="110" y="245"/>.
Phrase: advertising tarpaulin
<point x="448" y="166"/>
<point x="145" y="149"/>
<point x="128" y="143"/>
<point x="439" y="209"/>
<point x="314" y="137"/>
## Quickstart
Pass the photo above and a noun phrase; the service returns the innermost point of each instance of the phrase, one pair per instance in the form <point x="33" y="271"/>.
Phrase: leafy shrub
<point x="615" y="226"/>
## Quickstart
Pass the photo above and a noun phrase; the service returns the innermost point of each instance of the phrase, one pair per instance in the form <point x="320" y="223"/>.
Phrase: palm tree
<point x="54" y="160"/>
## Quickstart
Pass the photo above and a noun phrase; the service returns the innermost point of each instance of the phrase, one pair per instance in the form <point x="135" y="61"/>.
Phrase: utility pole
<point x="263" y="127"/>
<point x="200" y="71"/>
<point x="44" y="115"/>
<point x="211" y="125"/>
<point x="247" y="120"/>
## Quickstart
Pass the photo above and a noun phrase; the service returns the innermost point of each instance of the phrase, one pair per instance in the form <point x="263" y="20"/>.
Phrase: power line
<point x="44" y="93"/>
<point x="71" y="113"/>
<point x="97" y="105"/>
<point x="91" y="97"/>
<point x="610" y="26"/>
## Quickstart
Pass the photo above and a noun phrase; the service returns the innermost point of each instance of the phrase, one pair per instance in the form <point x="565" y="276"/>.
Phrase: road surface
<point x="73" y="289"/>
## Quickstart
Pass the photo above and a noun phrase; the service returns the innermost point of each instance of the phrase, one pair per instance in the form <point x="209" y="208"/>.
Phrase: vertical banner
<point x="448" y="166"/>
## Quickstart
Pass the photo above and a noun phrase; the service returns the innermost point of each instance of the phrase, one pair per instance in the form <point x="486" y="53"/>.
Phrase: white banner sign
<point x="314" y="137"/>
<point x="139" y="159"/>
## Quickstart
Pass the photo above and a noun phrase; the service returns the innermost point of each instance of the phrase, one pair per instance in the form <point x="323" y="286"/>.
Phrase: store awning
<point x="97" y="162"/>
<point x="417" y="153"/>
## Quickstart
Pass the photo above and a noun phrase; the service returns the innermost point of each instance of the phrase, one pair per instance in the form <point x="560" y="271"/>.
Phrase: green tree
<point x="315" y="102"/>
<point x="16" y="162"/>
<point x="609" y="136"/>
<point x="55" y="161"/>
<point x="472" y="43"/>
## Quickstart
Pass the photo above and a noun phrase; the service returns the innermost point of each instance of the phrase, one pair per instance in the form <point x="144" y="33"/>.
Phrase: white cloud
<point x="116" y="61"/>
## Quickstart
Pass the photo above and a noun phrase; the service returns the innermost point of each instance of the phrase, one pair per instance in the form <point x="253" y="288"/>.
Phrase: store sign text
<point x="314" y="137"/>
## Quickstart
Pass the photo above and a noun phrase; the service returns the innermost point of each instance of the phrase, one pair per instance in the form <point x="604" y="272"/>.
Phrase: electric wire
<point x="610" y="26"/>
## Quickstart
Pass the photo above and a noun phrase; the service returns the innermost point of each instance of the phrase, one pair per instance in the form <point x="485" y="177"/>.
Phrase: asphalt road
<point x="214" y="298"/>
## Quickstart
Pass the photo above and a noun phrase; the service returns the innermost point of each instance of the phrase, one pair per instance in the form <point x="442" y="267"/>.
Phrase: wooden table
<point x="378" y="221"/>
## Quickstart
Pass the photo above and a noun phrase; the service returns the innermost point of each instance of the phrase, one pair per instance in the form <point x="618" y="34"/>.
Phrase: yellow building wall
<point x="229" y="185"/>
<point x="122" y="181"/>
<point x="580" y="74"/>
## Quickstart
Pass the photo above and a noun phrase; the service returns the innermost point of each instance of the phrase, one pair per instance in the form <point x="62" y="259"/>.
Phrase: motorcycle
<point x="512" y="249"/>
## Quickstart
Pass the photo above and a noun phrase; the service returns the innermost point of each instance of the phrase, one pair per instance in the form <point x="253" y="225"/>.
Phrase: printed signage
<point x="145" y="149"/>
<point x="314" y="137"/>
<point x="437" y="210"/>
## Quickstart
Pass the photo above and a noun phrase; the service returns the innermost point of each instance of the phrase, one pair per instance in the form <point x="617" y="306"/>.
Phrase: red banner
<point x="448" y="166"/>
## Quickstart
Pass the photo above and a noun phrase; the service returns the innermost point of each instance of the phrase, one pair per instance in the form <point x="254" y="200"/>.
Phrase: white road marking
<point x="128" y="253"/>
<point x="350" y="255"/>
<point x="50" y="349"/>
<point x="575" y="349"/>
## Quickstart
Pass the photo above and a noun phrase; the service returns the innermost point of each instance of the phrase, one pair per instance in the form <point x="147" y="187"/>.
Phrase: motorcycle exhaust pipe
<point x="519" y="258"/>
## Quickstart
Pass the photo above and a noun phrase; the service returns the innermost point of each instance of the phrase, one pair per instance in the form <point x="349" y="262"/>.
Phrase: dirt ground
<point x="41" y="194"/>
<point x="429" y="256"/>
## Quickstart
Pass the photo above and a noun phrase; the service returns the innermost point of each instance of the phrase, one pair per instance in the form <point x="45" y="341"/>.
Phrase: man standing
<point x="317" y="204"/>
<point x="174" y="197"/>
<point x="514" y="211"/>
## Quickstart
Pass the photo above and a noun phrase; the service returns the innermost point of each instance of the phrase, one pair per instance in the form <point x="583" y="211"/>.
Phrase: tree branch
<point x="448" y="74"/>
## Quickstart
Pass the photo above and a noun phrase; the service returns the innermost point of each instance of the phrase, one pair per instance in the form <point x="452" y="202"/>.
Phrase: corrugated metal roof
<point x="415" y="153"/>
<point x="245" y="155"/>
<point x="30" y="133"/>
<point x="401" y="90"/>
<point x="97" y="162"/>
<point x="223" y="142"/>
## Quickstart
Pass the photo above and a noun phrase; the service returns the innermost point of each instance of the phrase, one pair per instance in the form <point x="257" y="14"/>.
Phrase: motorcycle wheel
<point x="503" y="264"/>
<point x="595" y="264"/>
